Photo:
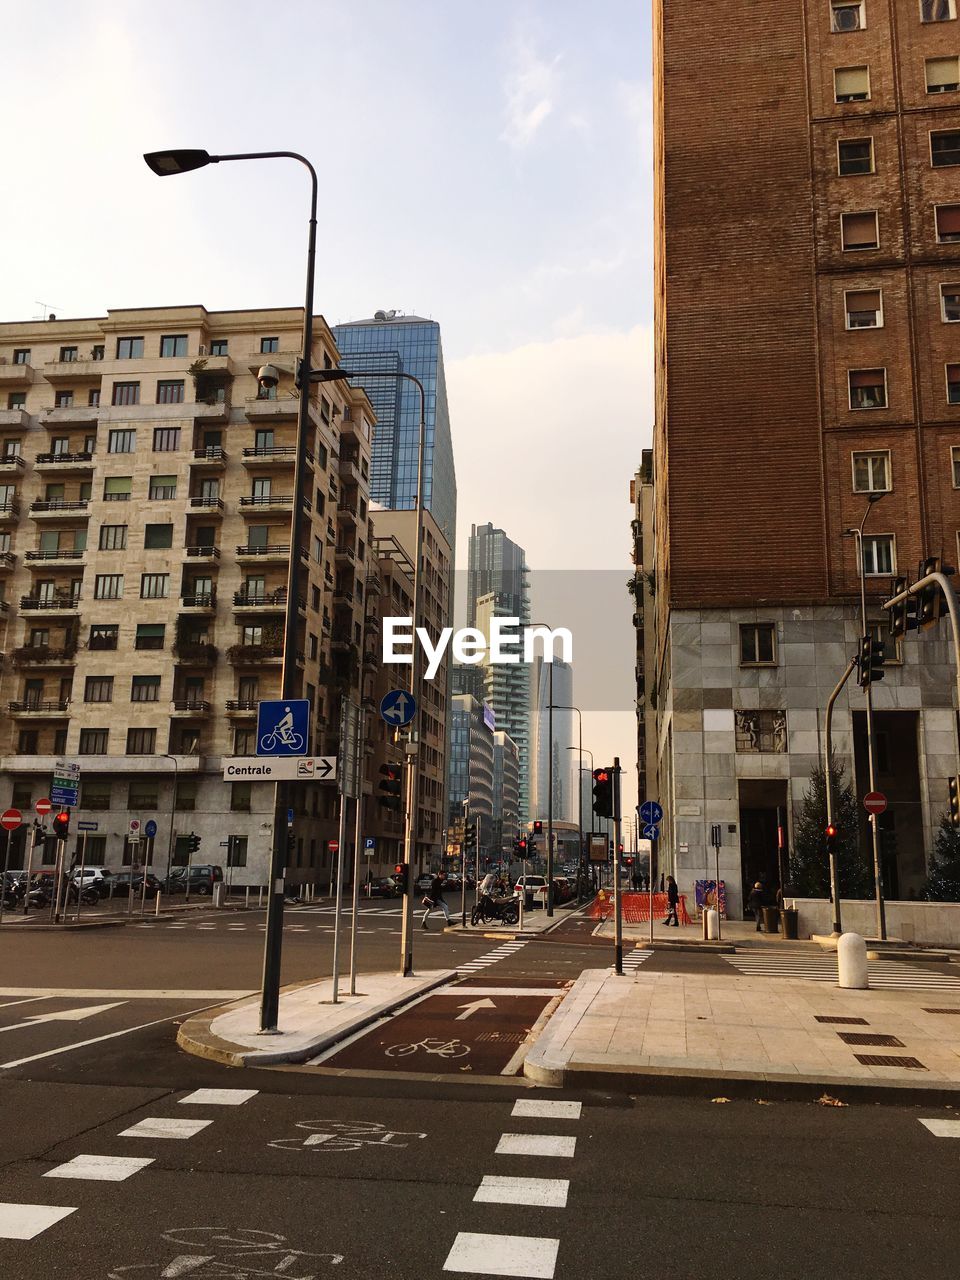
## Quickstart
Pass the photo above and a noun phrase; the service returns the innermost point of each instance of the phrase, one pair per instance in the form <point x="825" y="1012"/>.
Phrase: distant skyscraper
<point x="565" y="806"/>
<point x="497" y="566"/>
<point x="393" y="343"/>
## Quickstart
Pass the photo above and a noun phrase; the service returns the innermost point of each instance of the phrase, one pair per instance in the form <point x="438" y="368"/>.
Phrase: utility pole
<point x="828" y="787"/>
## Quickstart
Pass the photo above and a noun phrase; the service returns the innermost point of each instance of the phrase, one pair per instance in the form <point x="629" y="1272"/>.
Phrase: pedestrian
<point x="673" y="899"/>
<point x="755" y="903"/>
<point x="434" y="899"/>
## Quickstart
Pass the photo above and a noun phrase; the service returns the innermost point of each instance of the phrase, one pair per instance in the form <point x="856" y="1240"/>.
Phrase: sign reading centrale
<point x="269" y="768"/>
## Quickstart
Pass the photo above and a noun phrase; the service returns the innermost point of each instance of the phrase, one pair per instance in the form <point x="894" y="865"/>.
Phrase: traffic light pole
<point x="463" y="864"/>
<point x="617" y="902"/>
<point x="828" y="787"/>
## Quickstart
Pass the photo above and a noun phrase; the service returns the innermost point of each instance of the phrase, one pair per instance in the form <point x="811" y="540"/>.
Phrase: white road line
<point x="542" y="1193"/>
<point x="218" y="1097"/>
<point x="86" y="993"/>
<point x="100" y="1168"/>
<point x="536" y="1144"/>
<point x="490" y="1255"/>
<point x="164" y="1127"/>
<point x="29" y="1000"/>
<point x="541" y="1108"/>
<point x="943" y="1128"/>
<point x="24" y="1221"/>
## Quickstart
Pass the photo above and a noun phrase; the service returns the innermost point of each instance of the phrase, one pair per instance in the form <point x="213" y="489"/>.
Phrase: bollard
<point x="260" y="895"/>
<point x="156" y="903"/>
<point x="711" y="925"/>
<point x="703" y="922"/>
<point x="852" y="961"/>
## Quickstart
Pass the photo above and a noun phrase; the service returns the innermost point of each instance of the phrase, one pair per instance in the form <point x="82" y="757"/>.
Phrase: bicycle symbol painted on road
<point x="335" y="1135"/>
<point x="237" y="1255"/>
<point x="441" y="1048"/>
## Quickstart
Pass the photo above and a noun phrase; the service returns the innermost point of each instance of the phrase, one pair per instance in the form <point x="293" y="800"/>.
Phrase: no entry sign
<point x="11" y="819"/>
<point x="875" y="802"/>
<point x="43" y="807"/>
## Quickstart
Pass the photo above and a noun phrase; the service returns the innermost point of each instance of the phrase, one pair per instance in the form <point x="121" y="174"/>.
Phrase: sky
<point x="486" y="163"/>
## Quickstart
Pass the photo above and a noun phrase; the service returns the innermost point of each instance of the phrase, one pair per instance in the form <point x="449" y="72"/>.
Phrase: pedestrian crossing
<point x="634" y="959"/>
<point x="884" y="974"/>
<point x="503" y="952"/>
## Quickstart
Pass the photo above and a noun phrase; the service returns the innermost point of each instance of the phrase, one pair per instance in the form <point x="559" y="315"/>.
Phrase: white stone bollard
<point x="852" y="961"/>
<point x="713" y="924"/>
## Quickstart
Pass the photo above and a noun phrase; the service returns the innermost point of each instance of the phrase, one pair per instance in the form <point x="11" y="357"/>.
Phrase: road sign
<point x="875" y="802"/>
<point x="651" y="813"/>
<point x="150" y="830"/>
<point x="333" y="846"/>
<point x="134" y="827"/>
<point x="11" y="819"/>
<point x="64" y="796"/>
<point x="265" y="769"/>
<point x="369" y="844"/>
<point x="283" y="727"/>
<point x="398" y="707"/>
<point x="87" y="826"/>
<point x="224" y="844"/>
<point x="43" y="807"/>
<point x="66" y="769"/>
<point x="651" y="832"/>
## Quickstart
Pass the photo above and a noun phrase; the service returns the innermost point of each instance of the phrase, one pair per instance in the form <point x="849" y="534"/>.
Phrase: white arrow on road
<point x="63" y="1015"/>
<point x="472" y="1008"/>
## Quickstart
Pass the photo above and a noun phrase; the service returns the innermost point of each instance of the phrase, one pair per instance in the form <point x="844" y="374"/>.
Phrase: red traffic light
<point x="601" y="775"/>
<point x="398" y="869"/>
<point x="831" y="831"/>
<point x="61" y="824"/>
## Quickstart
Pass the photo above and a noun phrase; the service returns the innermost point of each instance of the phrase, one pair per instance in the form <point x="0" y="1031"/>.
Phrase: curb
<point x="195" y="1037"/>
<point x="70" y="925"/>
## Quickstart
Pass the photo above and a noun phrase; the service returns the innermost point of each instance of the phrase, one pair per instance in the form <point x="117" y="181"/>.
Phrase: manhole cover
<point x="858" y="1037"/>
<point x="888" y="1060"/>
<point x="860" y="1022"/>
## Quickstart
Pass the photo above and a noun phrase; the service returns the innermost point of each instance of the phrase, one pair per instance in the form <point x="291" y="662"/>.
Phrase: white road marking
<point x="459" y="990"/>
<point x="536" y="1144"/>
<point x="542" y="1193"/>
<point x="164" y="1127"/>
<point x="29" y="1000"/>
<point x="888" y="974"/>
<point x="86" y="993"/>
<point x="491" y="1255"/>
<point x="943" y="1128"/>
<point x="61" y="1015"/>
<point x="100" y="1168"/>
<point x="24" y="1221"/>
<point x="218" y="1097"/>
<point x="541" y="1108"/>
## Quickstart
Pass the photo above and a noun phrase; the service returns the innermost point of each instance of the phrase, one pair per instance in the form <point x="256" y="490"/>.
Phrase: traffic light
<point x="520" y="847"/>
<point x="870" y="661"/>
<point x="193" y="842"/>
<point x="390" y="784"/>
<point x="61" y="824"/>
<point x="531" y="848"/>
<point x="954" y="786"/>
<point x="469" y="838"/>
<point x="603" y="793"/>
<point x="400" y="874"/>
<point x="831" y="834"/>
<point x="538" y="828"/>
<point x="902" y="616"/>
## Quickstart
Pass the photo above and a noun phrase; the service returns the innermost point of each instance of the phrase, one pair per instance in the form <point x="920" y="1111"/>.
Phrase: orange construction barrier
<point x="636" y="907"/>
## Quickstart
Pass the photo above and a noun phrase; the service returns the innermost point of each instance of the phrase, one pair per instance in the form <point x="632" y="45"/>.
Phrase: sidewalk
<point x="687" y="1032"/>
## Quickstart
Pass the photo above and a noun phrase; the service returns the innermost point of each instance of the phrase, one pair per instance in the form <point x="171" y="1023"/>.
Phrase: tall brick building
<point x="807" y="282"/>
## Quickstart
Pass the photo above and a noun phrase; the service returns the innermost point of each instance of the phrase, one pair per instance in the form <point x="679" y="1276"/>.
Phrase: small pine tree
<point x="943" y="882"/>
<point x="809" y="864"/>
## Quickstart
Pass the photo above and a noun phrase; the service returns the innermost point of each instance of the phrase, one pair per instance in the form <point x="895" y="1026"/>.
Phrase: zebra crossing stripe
<point x="882" y="974"/>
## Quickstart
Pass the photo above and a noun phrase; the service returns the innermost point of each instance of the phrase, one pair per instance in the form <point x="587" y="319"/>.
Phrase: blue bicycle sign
<point x="282" y="727"/>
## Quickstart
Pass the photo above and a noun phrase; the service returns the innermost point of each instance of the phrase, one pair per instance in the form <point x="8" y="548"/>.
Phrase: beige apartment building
<point x="146" y="492"/>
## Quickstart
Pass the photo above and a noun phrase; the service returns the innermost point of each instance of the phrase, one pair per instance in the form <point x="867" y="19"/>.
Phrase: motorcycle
<point x="504" y="910"/>
<point x="42" y="895"/>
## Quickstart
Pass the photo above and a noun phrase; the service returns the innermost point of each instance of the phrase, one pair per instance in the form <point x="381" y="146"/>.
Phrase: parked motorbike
<point x="505" y="910"/>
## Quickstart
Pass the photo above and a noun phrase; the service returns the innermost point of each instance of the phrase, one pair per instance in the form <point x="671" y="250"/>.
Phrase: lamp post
<point x="173" y="817"/>
<point x="406" y="932"/>
<point x="166" y="164"/>
<point x="582" y="751"/>
<point x="857" y="533"/>
<point x="557" y="706"/>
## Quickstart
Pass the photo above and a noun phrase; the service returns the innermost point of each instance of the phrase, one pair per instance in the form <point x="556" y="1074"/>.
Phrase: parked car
<point x="203" y="876"/>
<point x="97" y="877"/>
<point x="536" y="884"/>
<point x="563" y="889"/>
<point x="423" y="883"/>
<point x="382" y="887"/>
<point x="122" y="881"/>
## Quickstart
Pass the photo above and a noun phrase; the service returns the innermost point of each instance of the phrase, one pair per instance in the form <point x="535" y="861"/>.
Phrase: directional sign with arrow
<point x="472" y="1008"/>
<point x="62" y="1015"/>
<point x="398" y="707"/>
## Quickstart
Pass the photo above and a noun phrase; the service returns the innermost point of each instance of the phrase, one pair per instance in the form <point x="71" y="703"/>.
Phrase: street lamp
<point x="857" y="533"/>
<point x="165" y="164"/>
<point x="173" y="818"/>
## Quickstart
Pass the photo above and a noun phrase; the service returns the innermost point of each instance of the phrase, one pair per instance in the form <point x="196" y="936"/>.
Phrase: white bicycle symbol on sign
<point x="289" y="739"/>
<point x="334" y="1135"/>
<point x="441" y="1048"/>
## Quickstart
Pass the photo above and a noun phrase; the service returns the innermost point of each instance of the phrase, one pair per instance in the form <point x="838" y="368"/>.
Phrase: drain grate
<point x="889" y="1060"/>
<point x="503" y="1037"/>
<point x="941" y="1011"/>
<point x="858" y="1037"/>
<point x="860" y="1022"/>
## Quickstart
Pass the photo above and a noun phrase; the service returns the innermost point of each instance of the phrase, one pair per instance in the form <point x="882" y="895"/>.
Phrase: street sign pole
<point x="37" y="836"/>
<point x="58" y="887"/>
<point x="715" y="835"/>
<point x="617" y="903"/>
<point x="83" y="861"/>
<point x="357" y="838"/>
<point x="345" y="719"/>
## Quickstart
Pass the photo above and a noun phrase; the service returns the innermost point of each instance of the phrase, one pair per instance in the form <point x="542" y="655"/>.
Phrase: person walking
<point x="673" y="899"/>
<point x="755" y="903"/>
<point x="436" y="901"/>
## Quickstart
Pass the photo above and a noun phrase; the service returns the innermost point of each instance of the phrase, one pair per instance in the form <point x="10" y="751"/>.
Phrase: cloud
<point x="530" y="87"/>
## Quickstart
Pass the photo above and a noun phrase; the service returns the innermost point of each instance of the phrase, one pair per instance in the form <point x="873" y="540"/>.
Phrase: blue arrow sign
<point x="398" y="707"/>
<point x="651" y="832"/>
<point x="64" y="796"/>
<point x="87" y="826"/>
<point x="150" y="830"/>
<point x="651" y="812"/>
<point x="283" y="727"/>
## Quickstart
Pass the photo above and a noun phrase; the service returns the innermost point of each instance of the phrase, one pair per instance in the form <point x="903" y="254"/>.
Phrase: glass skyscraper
<point x="394" y="343"/>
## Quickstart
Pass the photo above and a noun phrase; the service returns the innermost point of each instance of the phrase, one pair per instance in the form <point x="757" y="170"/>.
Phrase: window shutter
<point x="859" y="229"/>
<point x="948" y="220"/>
<point x="865" y="300"/>
<point x="941" y="71"/>
<point x="866" y="377"/>
<point x="953" y="374"/>
<point x="117" y="484"/>
<point x="851" y="80"/>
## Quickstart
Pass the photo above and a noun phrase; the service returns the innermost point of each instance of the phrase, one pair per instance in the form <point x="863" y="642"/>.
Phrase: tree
<point x="809" y="864"/>
<point x="943" y="882"/>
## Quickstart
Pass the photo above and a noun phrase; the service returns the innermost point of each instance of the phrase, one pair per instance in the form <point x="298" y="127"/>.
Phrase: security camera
<point x="268" y="376"/>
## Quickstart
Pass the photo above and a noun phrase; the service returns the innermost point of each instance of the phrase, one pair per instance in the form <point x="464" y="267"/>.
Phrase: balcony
<point x="260" y="503"/>
<point x="42" y="655"/>
<point x="345" y="512"/>
<point x="73" y="370"/>
<point x="210" y="409"/>
<point x="348" y="470"/>
<point x="284" y="410"/>
<point x="190" y="708"/>
<point x="58" y="604"/>
<point x="212" y="458"/>
<point x="209" y="505"/>
<point x="63" y="462"/>
<point x="265" y="457"/>
<point x="17" y="375"/>
<point x="60" y="509"/>
<point x="40" y="710"/>
<point x="276" y="553"/>
<point x="7" y="561"/>
<point x="4" y="608"/>
<point x="205" y="602"/>
<point x="242" y="706"/>
<point x="202" y="553"/>
<point x="195" y="653"/>
<point x="342" y="638"/>
<point x="9" y="510"/>
<point x="255" y="655"/>
<point x="343" y="595"/>
<point x="45" y="559"/>
<point x="70" y="415"/>
<point x="12" y="464"/>
<point x="18" y="419"/>
<point x="345" y="555"/>
<point x="264" y="601"/>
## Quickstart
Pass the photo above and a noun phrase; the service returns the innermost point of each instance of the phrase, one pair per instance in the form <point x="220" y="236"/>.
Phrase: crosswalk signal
<point x="389" y="788"/>
<point x="61" y="824"/>
<point x="193" y="842"/>
<point x="831" y="834"/>
<point x="603" y="793"/>
<point x="402" y="877"/>
<point x="954" y="787"/>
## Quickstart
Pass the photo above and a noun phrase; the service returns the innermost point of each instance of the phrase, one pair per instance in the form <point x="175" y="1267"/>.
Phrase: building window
<point x="98" y="351"/>
<point x="93" y="398"/>
<point x="98" y="689"/>
<point x="218" y="347"/>
<point x="244" y="742"/>
<point x="21" y="355"/>
<point x="851" y="84"/>
<point x="237" y="851"/>
<point x="863" y="308"/>
<point x="955" y="465"/>
<point x="854" y="156"/>
<point x="103" y="636"/>
<point x="942" y="74"/>
<point x="153" y="586"/>
<point x="173" y="345"/>
<point x="868" y="388"/>
<point x="251" y="634"/>
<point x="68" y="354"/>
<point x="141" y="742"/>
<point x="108" y="586"/>
<point x="266" y="393"/>
<point x="145" y="689"/>
<point x="28" y="742"/>
<point x="947" y="223"/>
<point x="113" y="537"/>
<point x="62" y="399"/>
<point x="170" y="391"/>
<point x="953" y="384"/>
<point x="950" y="303"/>
<point x="142" y="797"/>
<point x="879" y="555"/>
<point x="126" y="393"/>
<point x="149" y="635"/>
<point x="240" y="797"/>
<point x="859" y="230"/>
<point x="129" y="348"/>
<point x="871" y="472"/>
<point x="157" y="536"/>
<point x="121" y="441"/>
<point x="269" y="345"/>
<point x="166" y="439"/>
<point x="117" y="488"/>
<point x="163" y="488"/>
<point x="96" y="795"/>
<point x="945" y="148"/>
<point x="93" y="742"/>
<point x="758" y="644"/>
<point x="937" y="10"/>
<point x="846" y="16"/>
<point x="17" y="400"/>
